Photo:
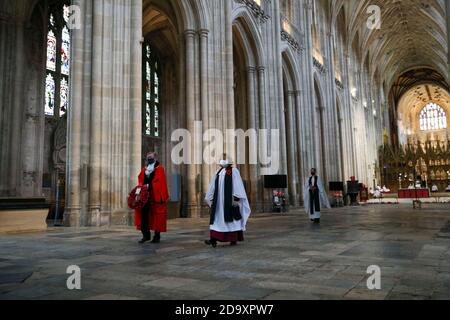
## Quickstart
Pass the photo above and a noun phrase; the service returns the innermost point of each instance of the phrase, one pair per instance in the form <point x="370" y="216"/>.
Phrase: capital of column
<point x="261" y="69"/>
<point x="203" y="32"/>
<point x="189" y="33"/>
<point x="251" y="69"/>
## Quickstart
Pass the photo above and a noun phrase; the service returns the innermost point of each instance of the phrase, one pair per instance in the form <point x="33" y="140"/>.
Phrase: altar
<point x="413" y="193"/>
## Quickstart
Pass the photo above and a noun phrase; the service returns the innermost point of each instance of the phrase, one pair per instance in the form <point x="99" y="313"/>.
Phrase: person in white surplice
<point x="229" y="205"/>
<point x="314" y="196"/>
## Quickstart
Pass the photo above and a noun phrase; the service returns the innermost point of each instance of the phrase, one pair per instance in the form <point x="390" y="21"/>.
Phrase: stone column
<point x="447" y="10"/>
<point x="309" y="103"/>
<point x="192" y="185"/>
<point x="330" y="120"/>
<point x="301" y="141"/>
<point x="350" y="119"/>
<point x="290" y="137"/>
<point x="105" y="117"/>
<point x="135" y="112"/>
<point x="252" y="125"/>
<point x="229" y="109"/>
<point x="204" y="98"/>
<point x="100" y="35"/>
<point x="72" y="213"/>
<point x="263" y="124"/>
<point x="17" y="79"/>
<point x="22" y="75"/>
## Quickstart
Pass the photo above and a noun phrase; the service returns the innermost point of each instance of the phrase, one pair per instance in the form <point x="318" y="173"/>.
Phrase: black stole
<point x="228" y="197"/>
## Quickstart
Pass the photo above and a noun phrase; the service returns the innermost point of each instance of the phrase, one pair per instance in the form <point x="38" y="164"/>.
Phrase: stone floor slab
<point x="284" y="257"/>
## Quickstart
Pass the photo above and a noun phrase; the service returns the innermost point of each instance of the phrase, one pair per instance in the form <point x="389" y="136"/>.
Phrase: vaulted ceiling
<point x="413" y="34"/>
<point x="159" y="24"/>
<point x="419" y="96"/>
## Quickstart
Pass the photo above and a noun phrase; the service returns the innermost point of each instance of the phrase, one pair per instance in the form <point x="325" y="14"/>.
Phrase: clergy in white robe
<point x="229" y="205"/>
<point x="314" y="196"/>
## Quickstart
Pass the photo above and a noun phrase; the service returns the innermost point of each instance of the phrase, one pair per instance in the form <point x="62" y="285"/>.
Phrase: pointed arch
<point x="248" y="31"/>
<point x="291" y="67"/>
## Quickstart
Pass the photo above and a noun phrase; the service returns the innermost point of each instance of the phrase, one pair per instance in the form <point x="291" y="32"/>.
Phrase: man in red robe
<point x="153" y="216"/>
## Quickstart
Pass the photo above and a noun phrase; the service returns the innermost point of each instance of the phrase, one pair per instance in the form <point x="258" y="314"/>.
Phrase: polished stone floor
<point x="284" y="257"/>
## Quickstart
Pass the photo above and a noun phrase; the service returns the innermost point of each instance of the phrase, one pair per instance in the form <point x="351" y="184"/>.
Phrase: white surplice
<point x="323" y="198"/>
<point x="239" y="192"/>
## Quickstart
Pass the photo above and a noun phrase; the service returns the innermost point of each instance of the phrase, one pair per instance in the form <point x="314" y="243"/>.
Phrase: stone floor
<point x="284" y="257"/>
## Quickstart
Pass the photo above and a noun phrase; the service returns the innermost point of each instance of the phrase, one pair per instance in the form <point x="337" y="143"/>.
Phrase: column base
<point x="194" y="211"/>
<point x="72" y="217"/>
<point x="122" y="218"/>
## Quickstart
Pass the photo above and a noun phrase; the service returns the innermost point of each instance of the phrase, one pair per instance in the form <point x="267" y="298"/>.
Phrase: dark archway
<point x="162" y="77"/>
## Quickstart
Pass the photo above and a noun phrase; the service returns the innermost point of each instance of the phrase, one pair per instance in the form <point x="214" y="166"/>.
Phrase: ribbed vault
<point x="413" y="34"/>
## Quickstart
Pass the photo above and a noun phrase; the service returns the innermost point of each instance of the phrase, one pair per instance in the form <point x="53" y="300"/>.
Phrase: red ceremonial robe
<point x="158" y="201"/>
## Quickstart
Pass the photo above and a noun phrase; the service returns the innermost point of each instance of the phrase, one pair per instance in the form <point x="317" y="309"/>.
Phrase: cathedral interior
<point x="354" y="88"/>
<point x="358" y="89"/>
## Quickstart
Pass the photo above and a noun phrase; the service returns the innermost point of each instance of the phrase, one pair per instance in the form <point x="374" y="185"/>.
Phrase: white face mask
<point x="150" y="169"/>
<point x="224" y="163"/>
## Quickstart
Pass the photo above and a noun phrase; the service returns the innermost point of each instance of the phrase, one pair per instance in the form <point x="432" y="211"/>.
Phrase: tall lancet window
<point x="58" y="61"/>
<point x="152" y="92"/>
<point x="432" y="117"/>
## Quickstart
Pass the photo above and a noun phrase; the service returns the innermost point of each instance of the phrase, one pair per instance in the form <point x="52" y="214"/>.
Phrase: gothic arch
<point x="290" y="105"/>
<point x="291" y="67"/>
<point x="248" y="90"/>
<point x="201" y="13"/>
<point x="248" y="31"/>
<point x="189" y="15"/>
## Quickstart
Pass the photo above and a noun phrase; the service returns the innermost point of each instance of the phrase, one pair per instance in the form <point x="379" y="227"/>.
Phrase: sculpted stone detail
<point x="256" y="9"/>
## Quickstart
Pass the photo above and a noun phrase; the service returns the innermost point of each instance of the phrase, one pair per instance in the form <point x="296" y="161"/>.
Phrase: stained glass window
<point x="148" y="122"/>
<point x="58" y="60"/>
<point x="64" y="97"/>
<point x="152" y="92"/>
<point x="52" y="20"/>
<point x="432" y="117"/>
<point x="66" y="14"/>
<point x="51" y="51"/>
<point x="49" y="95"/>
<point x="65" y="52"/>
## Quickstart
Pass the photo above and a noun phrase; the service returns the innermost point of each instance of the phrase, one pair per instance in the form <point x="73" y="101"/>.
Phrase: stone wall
<point x="284" y="88"/>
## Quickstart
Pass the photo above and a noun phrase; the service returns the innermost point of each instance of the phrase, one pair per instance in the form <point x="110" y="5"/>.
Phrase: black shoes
<point x="143" y="240"/>
<point x="156" y="238"/>
<point x="147" y="237"/>
<point x="317" y="221"/>
<point x="211" y="242"/>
